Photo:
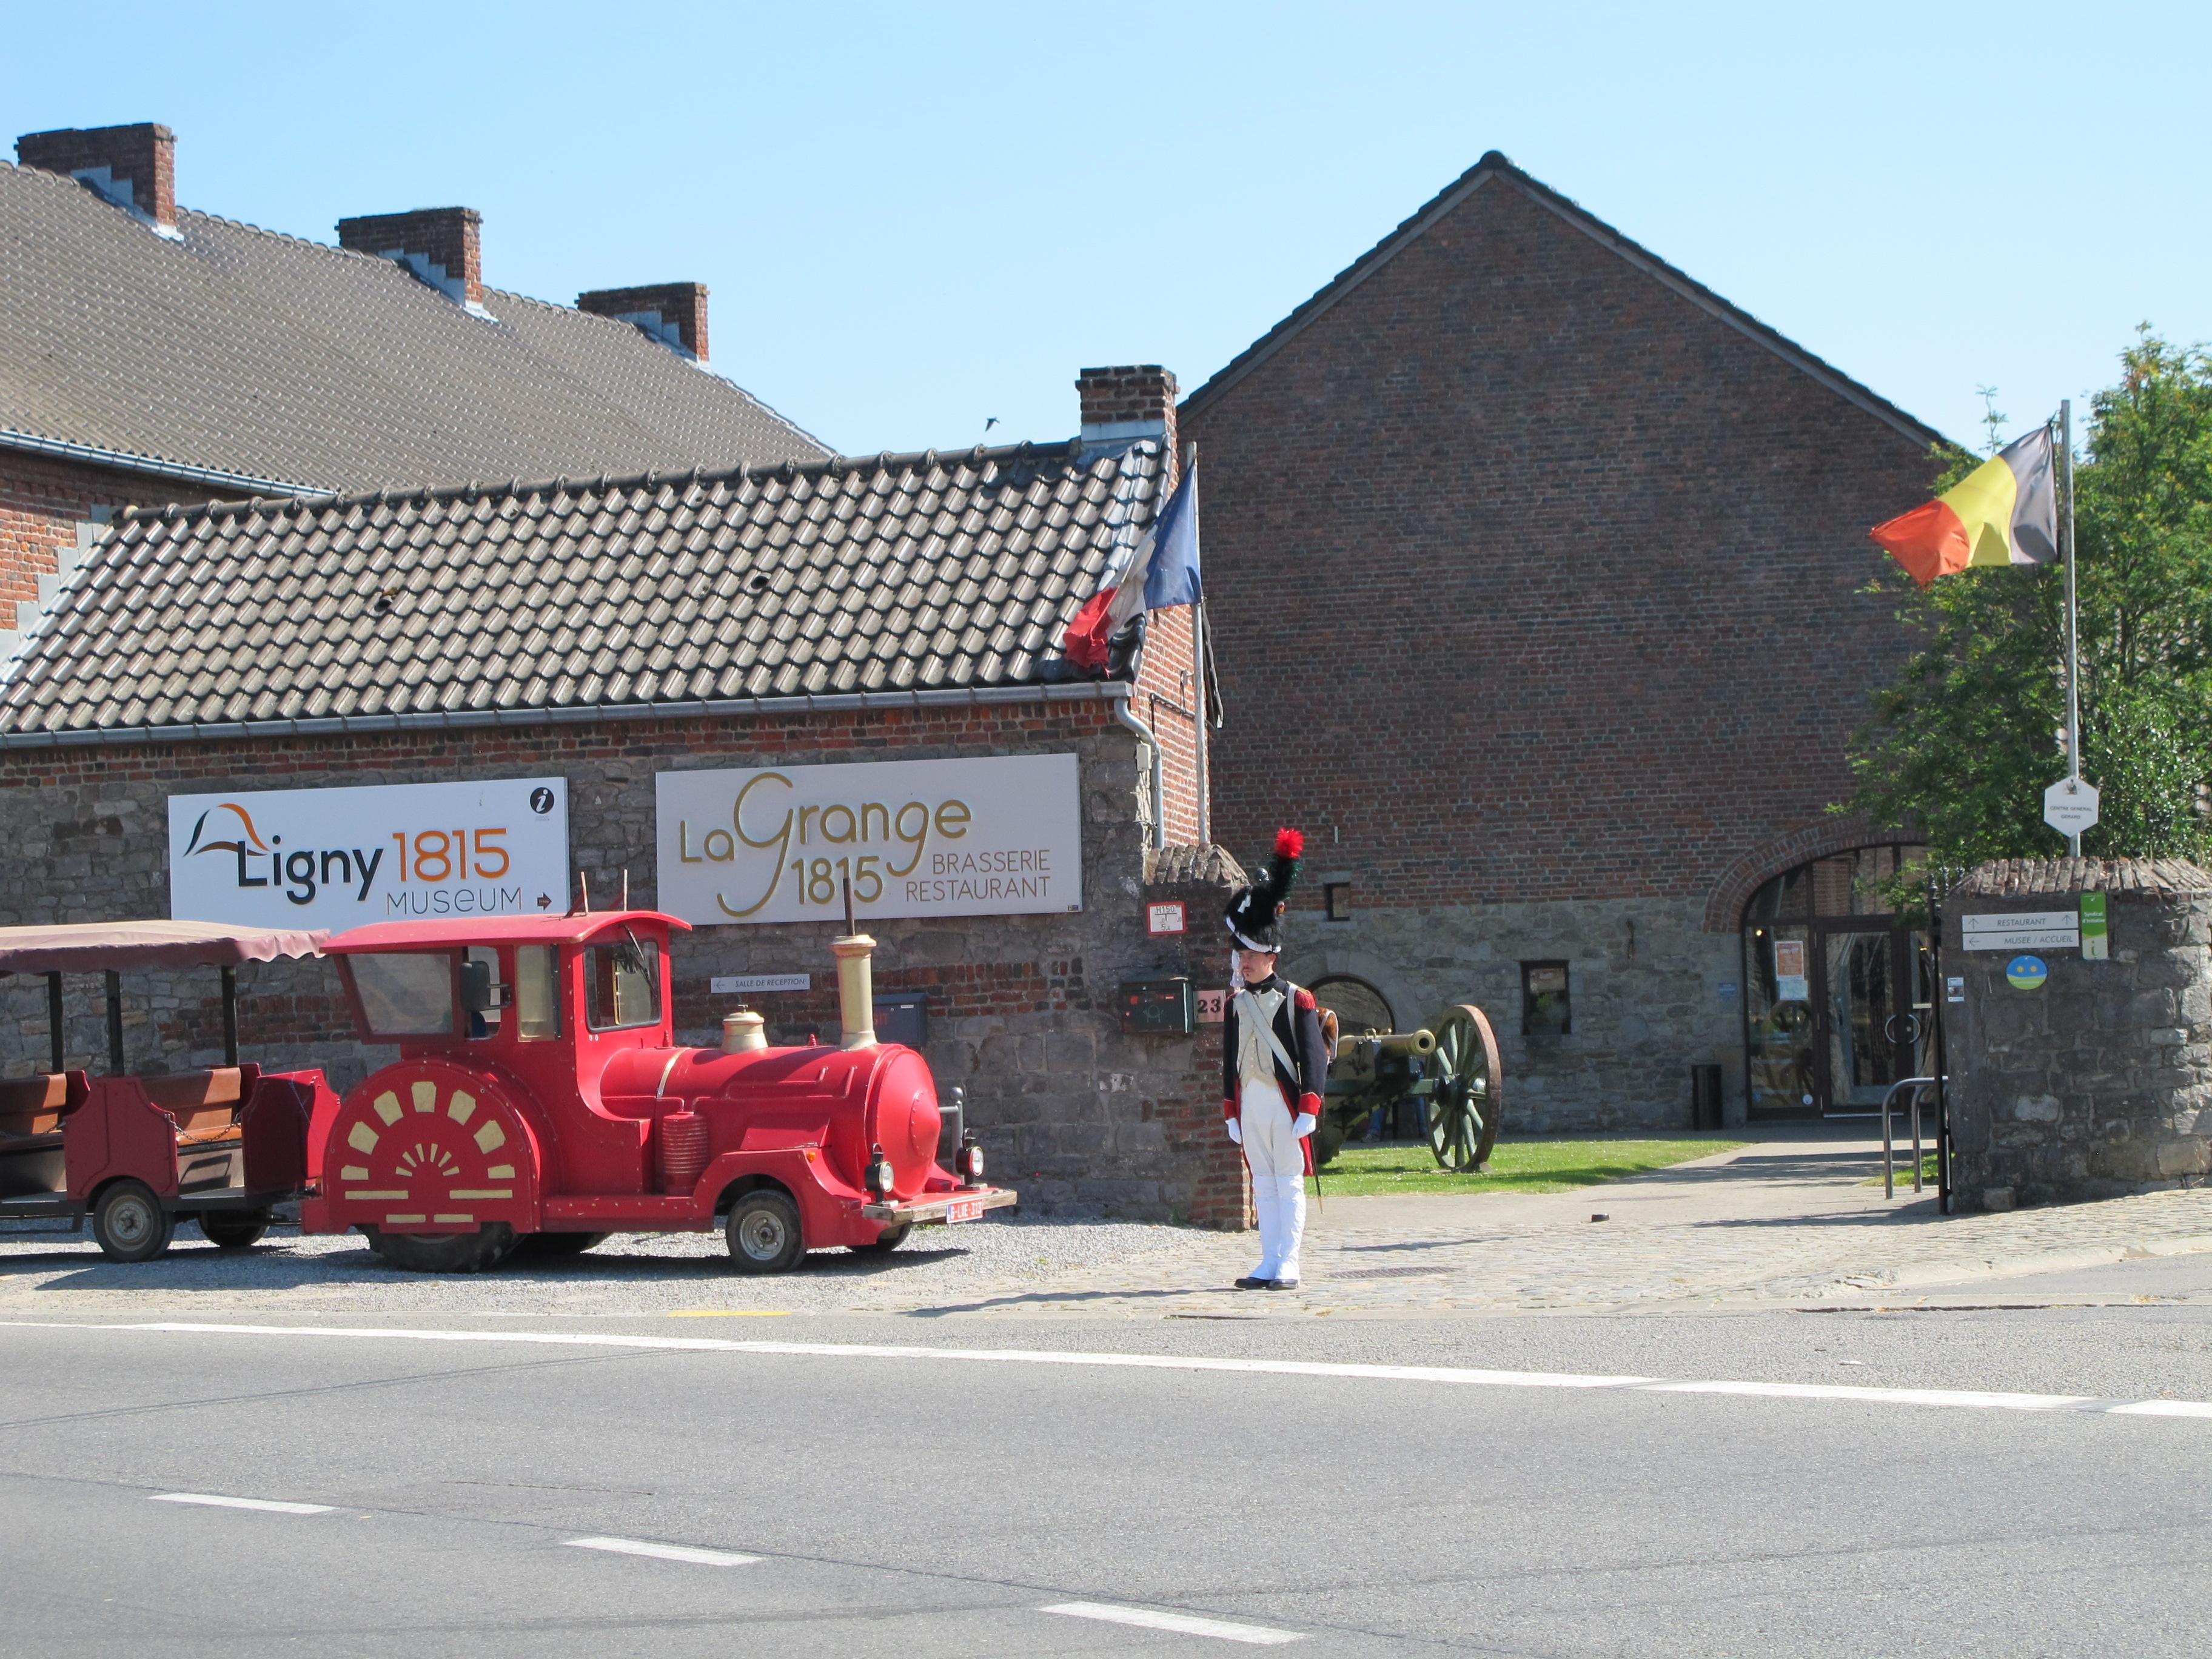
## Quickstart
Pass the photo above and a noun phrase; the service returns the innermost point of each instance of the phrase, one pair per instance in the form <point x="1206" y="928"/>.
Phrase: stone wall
<point x="1649" y="988"/>
<point x="1022" y="1010"/>
<point x="2098" y="1082"/>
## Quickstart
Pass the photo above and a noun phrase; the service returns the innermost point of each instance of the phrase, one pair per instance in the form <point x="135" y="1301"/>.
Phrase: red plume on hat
<point x="1255" y="910"/>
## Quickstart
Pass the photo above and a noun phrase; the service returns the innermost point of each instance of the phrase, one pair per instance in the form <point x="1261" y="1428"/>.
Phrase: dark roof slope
<point x="245" y="352"/>
<point x="1494" y="167"/>
<point x="893" y="575"/>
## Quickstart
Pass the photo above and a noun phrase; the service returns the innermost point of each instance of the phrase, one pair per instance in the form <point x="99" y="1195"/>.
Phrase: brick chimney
<point x="1120" y="405"/>
<point x="135" y="167"/>
<point x="674" y="314"/>
<point x="440" y="245"/>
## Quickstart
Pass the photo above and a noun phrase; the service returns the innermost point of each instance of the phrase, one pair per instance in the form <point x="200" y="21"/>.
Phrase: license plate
<point x="964" y="1209"/>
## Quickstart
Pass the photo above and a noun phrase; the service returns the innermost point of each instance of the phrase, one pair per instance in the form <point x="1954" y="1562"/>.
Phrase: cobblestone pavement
<point x="1780" y="1221"/>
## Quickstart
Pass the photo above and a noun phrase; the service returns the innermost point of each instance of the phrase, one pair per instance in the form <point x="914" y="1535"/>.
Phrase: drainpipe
<point x="1122" y="716"/>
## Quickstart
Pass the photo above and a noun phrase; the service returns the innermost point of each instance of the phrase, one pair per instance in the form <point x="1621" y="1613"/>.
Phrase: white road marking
<point x="1457" y="1376"/>
<point x="268" y="1503"/>
<point x="1259" y="1635"/>
<point x="663" y="1552"/>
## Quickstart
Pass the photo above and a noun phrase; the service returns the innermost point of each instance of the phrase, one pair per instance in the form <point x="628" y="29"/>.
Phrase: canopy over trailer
<point x="224" y="1145"/>
<point x="114" y="947"/>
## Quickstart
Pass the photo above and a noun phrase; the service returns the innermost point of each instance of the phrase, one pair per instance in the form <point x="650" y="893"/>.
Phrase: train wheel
<point x="764" y="1233"/>
<point x="886" y="1241"/>
<point x="444" y="1253"/>
<point x="558" y="1243"/>
<point x="234" y="1230"/>
<point x="130" y="1223"/>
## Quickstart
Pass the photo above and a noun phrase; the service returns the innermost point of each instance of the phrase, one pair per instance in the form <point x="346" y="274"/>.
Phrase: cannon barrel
<point x="1390" y="1043"/>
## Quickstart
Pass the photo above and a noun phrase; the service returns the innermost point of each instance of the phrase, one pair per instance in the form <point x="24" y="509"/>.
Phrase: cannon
<point x="1450" y="1066"/>
<point x="540" y="1102"/>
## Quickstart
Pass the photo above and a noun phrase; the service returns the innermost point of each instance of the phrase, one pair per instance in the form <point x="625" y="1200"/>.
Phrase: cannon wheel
<point x="1467" y="1102"/>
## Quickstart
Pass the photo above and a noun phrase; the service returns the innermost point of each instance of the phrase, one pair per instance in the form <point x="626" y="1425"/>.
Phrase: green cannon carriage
<point x="1450" y="1066"/>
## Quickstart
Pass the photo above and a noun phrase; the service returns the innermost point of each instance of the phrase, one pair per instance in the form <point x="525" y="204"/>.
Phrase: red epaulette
<point x="1304" y="999"/>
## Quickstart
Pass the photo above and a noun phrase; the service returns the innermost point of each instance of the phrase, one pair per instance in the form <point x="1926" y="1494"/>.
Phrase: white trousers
<point x="1278" y="1163"/>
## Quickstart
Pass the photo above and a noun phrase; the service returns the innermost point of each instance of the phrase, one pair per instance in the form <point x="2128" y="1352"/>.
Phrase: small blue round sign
<point x="2026" y="973"/>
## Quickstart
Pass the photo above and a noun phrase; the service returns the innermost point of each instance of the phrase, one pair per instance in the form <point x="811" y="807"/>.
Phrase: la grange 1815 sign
<point x="999" y="838"/>
<point x="336" y="857"/>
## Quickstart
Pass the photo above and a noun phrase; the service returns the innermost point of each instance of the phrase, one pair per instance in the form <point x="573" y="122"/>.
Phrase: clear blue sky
<point x="912" y="219"/>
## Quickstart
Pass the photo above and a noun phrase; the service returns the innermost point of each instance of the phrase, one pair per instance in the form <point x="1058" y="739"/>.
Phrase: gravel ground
<point x="969" y="1267"/>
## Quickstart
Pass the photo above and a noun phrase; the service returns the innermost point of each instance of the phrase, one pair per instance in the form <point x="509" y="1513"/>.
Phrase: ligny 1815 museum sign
<point x="336" y="857"/>
<point x="915" y="838"/>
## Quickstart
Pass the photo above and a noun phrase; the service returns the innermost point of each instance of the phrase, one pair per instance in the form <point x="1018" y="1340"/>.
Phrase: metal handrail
<point x="1888" y="1170"/>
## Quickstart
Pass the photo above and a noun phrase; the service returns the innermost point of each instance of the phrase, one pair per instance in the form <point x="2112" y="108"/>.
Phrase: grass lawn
<point x="1904" y="1168"/>
<point x="1515" y="1166"/>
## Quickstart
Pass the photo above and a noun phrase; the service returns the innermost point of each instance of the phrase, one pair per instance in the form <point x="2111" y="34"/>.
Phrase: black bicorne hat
<point x="1255" y="910"/>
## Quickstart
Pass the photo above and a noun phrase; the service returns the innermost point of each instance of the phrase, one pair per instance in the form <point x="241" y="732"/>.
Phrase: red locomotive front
<point x="539" y="1101"/>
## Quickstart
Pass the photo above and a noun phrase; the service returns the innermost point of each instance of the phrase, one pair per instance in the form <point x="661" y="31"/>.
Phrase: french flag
<point x="1162" y="572"/>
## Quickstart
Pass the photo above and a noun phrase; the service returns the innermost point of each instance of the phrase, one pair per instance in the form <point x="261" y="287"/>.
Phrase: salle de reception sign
<point x="1000" y="836"/>
<point x="337" y="858"/>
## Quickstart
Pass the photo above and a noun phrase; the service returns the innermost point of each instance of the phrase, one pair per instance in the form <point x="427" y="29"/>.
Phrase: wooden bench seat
<point x="204" y="1104"/>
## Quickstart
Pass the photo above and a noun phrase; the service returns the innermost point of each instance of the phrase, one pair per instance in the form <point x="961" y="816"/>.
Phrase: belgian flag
<point x="2004" y="512"/>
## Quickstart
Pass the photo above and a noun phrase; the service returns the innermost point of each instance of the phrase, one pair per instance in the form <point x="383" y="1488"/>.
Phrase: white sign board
<point x="738" y="985"/>
<point x="1164" y="918"/>
<point x="2022" y="930"/>
<point x="2069" y="807"/>
<point x="996" y="837"/>
<point x="337" y="858"/>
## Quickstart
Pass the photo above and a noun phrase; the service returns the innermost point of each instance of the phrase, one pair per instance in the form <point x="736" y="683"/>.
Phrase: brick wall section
<point x="1166" y="701"/>
<point x="144" y="152"/>
<point x="1129" y="392"/>
<point x="1559" y="573"/>
<point x="450" y="238"/>
<point x="1022" y="1010"/>
<point x="42" y="502"/>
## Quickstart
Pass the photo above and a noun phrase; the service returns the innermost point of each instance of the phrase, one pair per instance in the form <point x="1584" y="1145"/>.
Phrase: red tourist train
<point x="539" y="1102"/>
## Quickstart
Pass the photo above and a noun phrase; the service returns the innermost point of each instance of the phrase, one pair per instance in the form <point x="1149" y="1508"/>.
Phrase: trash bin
<point x="1705" y="1096"/>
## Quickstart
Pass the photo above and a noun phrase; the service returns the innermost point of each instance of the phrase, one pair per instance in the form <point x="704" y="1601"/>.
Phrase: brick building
<point x="149" y="354"/>
<point x="1556" y="562"/>
<point x="617" y="633"/>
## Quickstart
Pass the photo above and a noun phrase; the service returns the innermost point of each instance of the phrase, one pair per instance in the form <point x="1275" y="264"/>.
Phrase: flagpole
<point x="1197" y="665"/>
<point x="2073" y="621"/>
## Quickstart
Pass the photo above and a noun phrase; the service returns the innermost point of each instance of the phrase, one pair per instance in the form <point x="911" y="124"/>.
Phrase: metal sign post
<point x="2074" y="784"/>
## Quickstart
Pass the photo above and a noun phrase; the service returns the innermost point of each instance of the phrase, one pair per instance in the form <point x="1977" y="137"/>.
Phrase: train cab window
<point x="406" y="992"/>
<point x="482" y="997"/>
<point x="622" y="985"/>
<point x="536" y="993"/>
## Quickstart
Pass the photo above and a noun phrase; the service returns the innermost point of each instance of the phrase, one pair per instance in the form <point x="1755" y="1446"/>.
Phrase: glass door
<point x="1871" y="1014"/>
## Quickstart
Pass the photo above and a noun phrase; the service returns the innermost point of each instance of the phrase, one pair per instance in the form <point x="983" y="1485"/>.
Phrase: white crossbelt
<point x="1256" y="1042"/>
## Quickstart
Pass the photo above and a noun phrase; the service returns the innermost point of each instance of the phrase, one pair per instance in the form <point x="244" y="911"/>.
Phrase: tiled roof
<point x="886" y="576"/>
<point x="1494" y="167"/>
<point x="242" y="351"/>
<point x="2013" y="878"/>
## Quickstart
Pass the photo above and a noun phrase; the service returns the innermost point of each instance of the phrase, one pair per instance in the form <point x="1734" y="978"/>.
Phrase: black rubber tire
<point x="444" y="1253"/>
<point x="234" y="1230"/>
<point x="558" y="1243"/>
<point x="129" y="1224"/>
<point x="763" y="1232"/>
<point x="886" y="1241"/>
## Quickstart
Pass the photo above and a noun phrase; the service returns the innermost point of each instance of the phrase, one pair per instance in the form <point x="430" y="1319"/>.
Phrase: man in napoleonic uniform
<point x="1274" y="1068"/>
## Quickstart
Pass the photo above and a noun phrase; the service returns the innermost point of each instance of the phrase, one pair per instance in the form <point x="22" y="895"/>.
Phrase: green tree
<point x="1967" y="737"/>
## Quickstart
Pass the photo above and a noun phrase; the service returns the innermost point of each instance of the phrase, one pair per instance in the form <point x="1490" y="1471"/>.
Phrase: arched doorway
<point x="1360" y="1009"/>
<point x="1836" y="987"/>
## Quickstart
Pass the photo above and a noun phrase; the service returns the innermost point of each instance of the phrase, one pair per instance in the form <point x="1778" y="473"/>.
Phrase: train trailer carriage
<point x="223" y="1145"/>
<point x="540" y="1102"/>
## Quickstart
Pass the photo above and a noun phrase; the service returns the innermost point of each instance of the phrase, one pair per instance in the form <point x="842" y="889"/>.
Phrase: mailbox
<point x="1159" y="1007"/>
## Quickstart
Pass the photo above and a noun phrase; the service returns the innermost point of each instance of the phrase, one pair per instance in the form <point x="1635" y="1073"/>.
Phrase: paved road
<point x="1509" y="1493"/>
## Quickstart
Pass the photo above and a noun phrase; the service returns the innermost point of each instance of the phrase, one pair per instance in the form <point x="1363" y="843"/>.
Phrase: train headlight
<point x="881" y="1176"/>
<point x="970" y="1165"/>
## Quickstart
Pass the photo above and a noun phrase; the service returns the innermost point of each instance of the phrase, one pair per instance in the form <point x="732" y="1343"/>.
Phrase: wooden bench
<point x="204" y="1104"/>
<point x="31" y="1113"/>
